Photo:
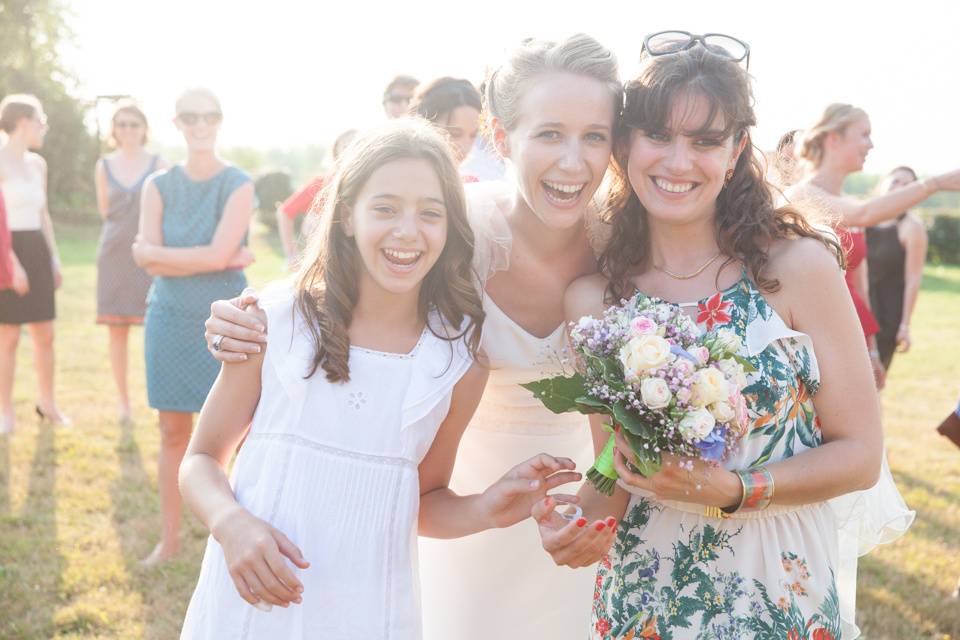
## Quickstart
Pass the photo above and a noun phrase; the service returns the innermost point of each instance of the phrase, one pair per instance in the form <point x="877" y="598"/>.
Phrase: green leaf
<point x="646" y="461"/>
<point x="586" y="403"/>
<point x="629" y="421"/>
<point x="558" y="394"/>
<point x="747" y="367"/>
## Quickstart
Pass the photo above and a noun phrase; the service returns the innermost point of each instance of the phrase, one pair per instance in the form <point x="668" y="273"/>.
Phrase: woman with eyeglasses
<point x="397" y="96"/>
<point x="36" y="265"/>
<point x="193" y="226"/>
<point x="121" y="284"/>
<point x="747" y="548"/>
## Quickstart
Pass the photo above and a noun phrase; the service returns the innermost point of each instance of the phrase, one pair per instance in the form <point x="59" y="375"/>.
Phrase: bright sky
<point x="290" y="72"/>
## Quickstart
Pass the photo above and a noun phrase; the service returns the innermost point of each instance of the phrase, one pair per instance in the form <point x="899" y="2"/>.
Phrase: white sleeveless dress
<point x="334" y="467"/>
<point x="501" y="584"/>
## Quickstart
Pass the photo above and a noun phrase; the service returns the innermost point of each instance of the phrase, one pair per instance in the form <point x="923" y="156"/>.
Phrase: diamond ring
<point x="216" y="342"/>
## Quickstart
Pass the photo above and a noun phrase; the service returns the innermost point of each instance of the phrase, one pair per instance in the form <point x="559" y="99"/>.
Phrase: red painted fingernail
<point x="600" y="526"/>
<point x="582" y="522"/>
<point x="611" y="522"/>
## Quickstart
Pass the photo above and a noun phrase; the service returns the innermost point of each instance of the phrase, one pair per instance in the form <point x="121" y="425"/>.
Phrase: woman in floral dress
<point x="747" y="549"/>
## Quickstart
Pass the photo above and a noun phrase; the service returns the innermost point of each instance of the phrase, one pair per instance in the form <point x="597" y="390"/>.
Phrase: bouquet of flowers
<point x="669" y="387"/>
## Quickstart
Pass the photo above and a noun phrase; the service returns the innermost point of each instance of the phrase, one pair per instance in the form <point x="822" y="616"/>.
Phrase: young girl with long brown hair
<point x="358" y="404"/>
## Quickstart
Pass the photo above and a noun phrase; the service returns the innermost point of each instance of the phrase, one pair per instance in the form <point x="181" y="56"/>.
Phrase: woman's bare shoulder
<point x="585" y="296"/>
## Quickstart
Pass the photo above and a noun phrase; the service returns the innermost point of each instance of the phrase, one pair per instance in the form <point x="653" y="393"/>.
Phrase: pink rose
<point x="642" y="326"/>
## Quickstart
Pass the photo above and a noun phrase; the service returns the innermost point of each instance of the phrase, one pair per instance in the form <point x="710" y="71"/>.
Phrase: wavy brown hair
<point x="746" y="220"/>
<point x="327" y="283"/>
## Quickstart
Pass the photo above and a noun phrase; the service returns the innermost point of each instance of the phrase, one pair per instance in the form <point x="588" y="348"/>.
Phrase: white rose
<point x="697" y="425"/>
<point x="709" y="387"/>
<point x="728" y="340"/>
<point x="702" y="354"/>
<point x="655" y="393"/>
<point x="723" y="412"/>
<point x="644" y="353"/>
<point x="733" y="370"/>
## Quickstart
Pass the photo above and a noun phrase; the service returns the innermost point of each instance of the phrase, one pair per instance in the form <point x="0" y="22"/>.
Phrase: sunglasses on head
<point x="664" y="43"/>
<point x="189" y="118"/>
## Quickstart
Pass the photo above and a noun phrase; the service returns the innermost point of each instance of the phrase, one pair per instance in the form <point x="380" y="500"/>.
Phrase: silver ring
<point x="577" y="513"/>
<point x="216" y="342"/>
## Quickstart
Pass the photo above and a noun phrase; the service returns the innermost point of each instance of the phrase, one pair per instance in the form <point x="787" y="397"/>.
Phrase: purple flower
<point x="714" y="446"/>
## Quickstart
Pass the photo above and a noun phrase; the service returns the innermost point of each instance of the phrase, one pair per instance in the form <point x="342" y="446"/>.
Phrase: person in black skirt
<point x="23" y="181"/>
<point x="896" y="252"/>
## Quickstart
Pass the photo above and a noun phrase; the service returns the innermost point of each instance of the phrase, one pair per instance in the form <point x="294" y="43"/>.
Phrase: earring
<point x="728" y="177"/>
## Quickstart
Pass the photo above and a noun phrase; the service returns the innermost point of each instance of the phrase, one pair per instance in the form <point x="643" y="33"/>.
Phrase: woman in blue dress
<point x="193" y="226"/>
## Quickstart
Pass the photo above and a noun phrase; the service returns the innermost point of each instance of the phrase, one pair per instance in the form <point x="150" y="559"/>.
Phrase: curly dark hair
<point x="327" y="283"/>
<point x="747" y="221"/>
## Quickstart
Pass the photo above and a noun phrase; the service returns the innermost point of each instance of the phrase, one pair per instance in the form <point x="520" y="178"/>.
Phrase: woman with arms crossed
<point x="193" y="225"/>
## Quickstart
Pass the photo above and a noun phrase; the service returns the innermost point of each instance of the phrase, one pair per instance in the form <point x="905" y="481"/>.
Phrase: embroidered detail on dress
<point x="356" y="400"/>
<point x="310" y="444"/>
<point x="395" y="356"/>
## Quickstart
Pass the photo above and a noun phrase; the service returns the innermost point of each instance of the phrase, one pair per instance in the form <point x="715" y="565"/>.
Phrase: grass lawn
<point x="79" y="507"/>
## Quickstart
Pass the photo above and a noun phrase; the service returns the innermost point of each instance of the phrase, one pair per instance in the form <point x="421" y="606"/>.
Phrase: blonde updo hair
<point x="579" y="54"/>
<point x="198" y="92"/>
<point x="15" y="107"/>
<point x="836" y="118"/>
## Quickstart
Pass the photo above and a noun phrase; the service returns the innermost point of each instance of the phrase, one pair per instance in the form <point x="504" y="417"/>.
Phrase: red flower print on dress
<point x="714" y="311"/>
<point x="602" y="626"/>
<point x="822" y="634"/>
<point x="793" y="635"/>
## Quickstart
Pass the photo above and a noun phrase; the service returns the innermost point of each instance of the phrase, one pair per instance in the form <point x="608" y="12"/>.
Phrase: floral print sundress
<point x="674" y="573"/>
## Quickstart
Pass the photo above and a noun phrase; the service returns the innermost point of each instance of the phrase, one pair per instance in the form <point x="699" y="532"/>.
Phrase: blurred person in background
<point x="300" y="203"/>
<point x="834" y="147"/>
<point x="454" y="105"/>
<point x="193" y="226"/>
<point x="784" y="168"/>
<point x="896" y="252"/>
<point x="35" y="263"/>
<point x="398" y="94"/>
<point x="121" y="285"/>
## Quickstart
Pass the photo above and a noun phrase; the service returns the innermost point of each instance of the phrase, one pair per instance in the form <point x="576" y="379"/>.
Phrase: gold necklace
<point x="677" y="276"/>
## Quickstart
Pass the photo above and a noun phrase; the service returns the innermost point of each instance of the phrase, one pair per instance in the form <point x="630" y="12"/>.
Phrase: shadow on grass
<point x="935" y="283"/>
<point x="928" y="524"/>
<point x="164" y="590"/>
<point x="30" y="584"/>
<point x="4" y="475"/>
<point x="902" y="596"/>
<point x="131" y="511"/>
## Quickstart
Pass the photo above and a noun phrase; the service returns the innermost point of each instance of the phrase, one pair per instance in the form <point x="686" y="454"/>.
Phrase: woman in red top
<point x="6" y="252"/>
<point x="836" y="146"/>
<point x="300" y="202"/>
<point x="854" y="243"/>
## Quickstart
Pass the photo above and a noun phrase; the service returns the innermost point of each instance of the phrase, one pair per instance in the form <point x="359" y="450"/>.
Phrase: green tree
<point x="30" y="33"/>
